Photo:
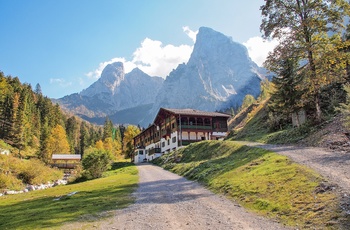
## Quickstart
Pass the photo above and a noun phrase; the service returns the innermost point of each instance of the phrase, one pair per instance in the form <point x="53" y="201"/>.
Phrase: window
<point x="173" y="125"/>
<point x="163" y="144"/>
<point x="141" y="152"/>
<point x="168" y="141"/>
<point x="174" y="139"/>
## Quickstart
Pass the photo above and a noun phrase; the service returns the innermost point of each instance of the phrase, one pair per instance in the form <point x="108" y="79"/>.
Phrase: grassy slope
<point x="253" y="126"/>
<point x="259" y="180"/>
<point x="38" y="209"/>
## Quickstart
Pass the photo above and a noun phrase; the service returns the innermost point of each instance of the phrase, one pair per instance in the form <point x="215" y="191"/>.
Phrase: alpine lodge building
<point x="175" y="128"/>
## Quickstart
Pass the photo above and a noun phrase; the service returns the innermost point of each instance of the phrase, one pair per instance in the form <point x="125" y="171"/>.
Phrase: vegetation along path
<point x="333" y="165"/>
<point x="167" y="201"/>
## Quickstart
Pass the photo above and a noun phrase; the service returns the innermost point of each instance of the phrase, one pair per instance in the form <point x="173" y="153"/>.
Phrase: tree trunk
<point x="318" y="107"/>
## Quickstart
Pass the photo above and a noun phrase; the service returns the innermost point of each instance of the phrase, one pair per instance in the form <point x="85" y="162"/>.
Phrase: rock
<point x="10" y="192"/>
<point x="31" y="188"/>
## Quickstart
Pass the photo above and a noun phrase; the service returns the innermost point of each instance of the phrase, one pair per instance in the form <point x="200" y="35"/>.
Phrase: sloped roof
<point x="66" y="156"/>
<point x="196" y="112"/>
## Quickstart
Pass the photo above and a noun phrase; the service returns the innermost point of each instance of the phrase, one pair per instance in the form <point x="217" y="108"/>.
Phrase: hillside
<point x="252" y="124"/>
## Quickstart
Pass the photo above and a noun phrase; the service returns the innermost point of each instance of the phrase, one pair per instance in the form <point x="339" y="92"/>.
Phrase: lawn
<point x="53" y="207"/>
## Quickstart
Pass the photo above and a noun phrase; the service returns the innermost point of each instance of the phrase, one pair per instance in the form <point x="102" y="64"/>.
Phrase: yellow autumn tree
<point x="99" y="145"/>
<point x="57" y="143"/>
<point x="130" y="132"/>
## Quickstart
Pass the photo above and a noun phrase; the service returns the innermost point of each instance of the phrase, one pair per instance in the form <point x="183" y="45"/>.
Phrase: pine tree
<point x="287" y="97"/>
<point x="107" y="129"/>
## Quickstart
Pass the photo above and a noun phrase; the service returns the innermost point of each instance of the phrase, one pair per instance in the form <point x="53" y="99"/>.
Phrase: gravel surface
<point x="167" y="201"/>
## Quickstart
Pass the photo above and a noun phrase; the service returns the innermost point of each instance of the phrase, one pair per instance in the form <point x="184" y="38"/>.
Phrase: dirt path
<point x="167" y="201"/>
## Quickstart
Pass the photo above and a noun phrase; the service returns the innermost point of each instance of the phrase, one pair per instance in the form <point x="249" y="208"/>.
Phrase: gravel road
<point x="167" y="201"/>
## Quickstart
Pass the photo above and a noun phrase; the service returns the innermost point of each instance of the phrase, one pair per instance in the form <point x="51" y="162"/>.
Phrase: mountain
<point x="113" y="91"/>
<point x="217" y="76"/>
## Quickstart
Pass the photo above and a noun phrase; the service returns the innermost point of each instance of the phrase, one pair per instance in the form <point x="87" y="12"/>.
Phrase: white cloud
<point x="192" y="34"/>
<point x="157" y="60"/>
<point x="258" y="48"/>
<point x="60" y="81"/>
<point x="152" y="57"/>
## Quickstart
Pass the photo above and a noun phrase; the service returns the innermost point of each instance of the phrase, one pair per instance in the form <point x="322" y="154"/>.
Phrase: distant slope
<point x="126" y="116"/>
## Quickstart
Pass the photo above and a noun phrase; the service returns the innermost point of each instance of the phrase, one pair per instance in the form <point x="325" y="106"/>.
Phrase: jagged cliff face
<point x="218" y="75"/>
<point x="113" y="91"/>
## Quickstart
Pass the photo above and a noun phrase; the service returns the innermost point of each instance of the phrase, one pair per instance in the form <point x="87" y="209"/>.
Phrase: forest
<point x="33" y="128"/>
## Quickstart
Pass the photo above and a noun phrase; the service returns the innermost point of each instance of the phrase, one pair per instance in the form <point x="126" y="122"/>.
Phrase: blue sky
<point x="64" y="45"/>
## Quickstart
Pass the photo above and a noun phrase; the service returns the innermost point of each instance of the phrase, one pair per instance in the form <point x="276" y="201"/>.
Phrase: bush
<point x="96" y="162"/>
<point x="36" y="172"/>
<point x="9" y="181"/>
<point x="15" y="173"/>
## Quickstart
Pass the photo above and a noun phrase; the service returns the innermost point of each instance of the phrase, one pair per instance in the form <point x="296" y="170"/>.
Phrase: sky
<point x="64" y="45"/>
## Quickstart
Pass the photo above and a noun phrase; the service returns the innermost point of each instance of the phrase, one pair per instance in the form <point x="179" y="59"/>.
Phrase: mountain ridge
<point x="217" y="76"/>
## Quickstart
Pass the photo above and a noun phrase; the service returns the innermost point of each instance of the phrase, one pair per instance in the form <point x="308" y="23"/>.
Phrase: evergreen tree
<point x="83" y="137"/>
<point x="38" y="89"/>
<point x="73" y="132"/>
<point x="287" y="97"/>
<point x="107" y="129"/>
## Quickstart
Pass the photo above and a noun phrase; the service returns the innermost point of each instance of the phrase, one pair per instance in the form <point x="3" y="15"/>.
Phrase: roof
<point x="66" y="156"/>
<point x="196" y="112"/>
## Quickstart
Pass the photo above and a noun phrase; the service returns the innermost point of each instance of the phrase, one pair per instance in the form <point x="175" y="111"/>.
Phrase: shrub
<point x="9" y="181"/>
<point x="96" y="162"/>
<point x="36" y="172"/>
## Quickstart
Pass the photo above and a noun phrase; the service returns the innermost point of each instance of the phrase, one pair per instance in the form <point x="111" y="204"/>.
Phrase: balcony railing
<point x="201" y="127"/>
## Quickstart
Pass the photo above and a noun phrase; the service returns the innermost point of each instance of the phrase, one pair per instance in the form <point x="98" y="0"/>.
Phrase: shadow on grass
<point x="120" y="165"/>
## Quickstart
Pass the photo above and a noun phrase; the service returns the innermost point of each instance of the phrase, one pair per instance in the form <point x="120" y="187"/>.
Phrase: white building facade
<point x="175" y="128"/>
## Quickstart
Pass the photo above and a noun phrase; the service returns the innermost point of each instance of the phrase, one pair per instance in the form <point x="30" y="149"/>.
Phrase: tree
<point x="247" y="101"/>
<point x="287" y="98"/>
<point x="302" y="28"/>
<point x="128" y="144"/>
<point x="57" y="143"/>
<point x="96" y="162"/>
<point x="99" y="145"/>
<point x="107" y="129"/>
<point x="38" y="89"/>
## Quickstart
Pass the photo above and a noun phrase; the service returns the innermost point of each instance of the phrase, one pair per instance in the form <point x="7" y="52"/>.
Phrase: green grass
<point x="256" y="128"/>
<point x="38" y="209"/>
<point x="260" y="180"/>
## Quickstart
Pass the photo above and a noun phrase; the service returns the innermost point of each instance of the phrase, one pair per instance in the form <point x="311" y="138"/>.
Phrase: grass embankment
<point x="39" y="209"/>
<point x="260" y="180"/>
<point x="252" y="124"/>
